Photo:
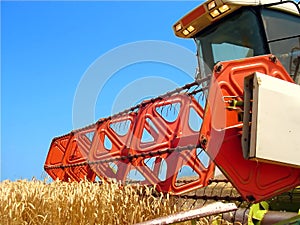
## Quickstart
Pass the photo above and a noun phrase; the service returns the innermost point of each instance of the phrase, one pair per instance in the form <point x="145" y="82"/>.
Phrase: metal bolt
<point x="218" y="68"/>
<point x="273" y="58"/>
<point x="250" y="198"/>
<point x="203" y="141"/>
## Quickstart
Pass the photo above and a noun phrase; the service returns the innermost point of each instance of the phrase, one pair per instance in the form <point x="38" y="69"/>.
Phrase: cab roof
<point x="213" y="10"/>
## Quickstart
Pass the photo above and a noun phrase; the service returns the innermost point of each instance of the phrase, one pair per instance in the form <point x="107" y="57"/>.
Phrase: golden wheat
<point x="38" y="202"/>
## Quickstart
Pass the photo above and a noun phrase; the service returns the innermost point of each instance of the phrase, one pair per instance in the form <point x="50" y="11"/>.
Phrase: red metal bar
<point x="165" y="135"/>
<point x="70" y="149"/>
<point x="110" y="153"/>
<point x="170" y="134"/>
<point x="111" y="140"/>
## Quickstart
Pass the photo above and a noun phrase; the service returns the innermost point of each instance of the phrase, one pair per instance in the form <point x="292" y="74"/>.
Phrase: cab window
<point x="283" y="37"/>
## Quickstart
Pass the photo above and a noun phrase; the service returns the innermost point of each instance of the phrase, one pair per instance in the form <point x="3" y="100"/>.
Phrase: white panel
<point x="275" y="128"/>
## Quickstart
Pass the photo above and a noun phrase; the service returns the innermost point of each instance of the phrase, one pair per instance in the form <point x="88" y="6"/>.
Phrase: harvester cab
<point x="229" y="30"/>
<point x="248" y="113"/>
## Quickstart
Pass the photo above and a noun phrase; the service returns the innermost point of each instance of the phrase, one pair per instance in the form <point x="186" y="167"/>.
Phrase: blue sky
<point x="47" y="48"/>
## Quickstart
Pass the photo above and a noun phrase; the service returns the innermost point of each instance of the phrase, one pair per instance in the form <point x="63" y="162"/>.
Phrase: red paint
<point x="255" y="180"/>
<point x="196" y="13"/>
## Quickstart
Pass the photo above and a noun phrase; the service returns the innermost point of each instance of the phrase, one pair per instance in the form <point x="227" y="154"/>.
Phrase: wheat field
<point x="37" y="202"/>
<point x="84" y="203"/>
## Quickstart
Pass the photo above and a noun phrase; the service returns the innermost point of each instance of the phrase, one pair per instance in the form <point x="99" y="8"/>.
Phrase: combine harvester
<point x="245" y="101"/>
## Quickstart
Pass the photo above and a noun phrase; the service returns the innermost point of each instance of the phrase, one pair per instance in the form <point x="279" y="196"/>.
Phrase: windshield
<point x="239" y="36"/>
<point x="283" y="36"/>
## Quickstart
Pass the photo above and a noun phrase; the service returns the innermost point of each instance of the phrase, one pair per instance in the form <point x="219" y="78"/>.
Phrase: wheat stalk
<point x="61" y="203"/>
